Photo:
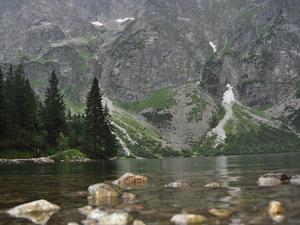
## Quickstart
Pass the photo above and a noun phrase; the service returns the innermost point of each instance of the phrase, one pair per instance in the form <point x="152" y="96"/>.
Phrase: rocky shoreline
<point x="42" y="160"/>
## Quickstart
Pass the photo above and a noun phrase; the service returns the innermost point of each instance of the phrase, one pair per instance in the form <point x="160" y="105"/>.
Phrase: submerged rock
<point x="138" y="222"/>
<point x="130" y="179"/>
<point x="222" y="213"/>
<point x="86" y="210"/>
<point x="129" y="197"/>
<point x="276" y="211"/>
<point x="187" y="219"/>
<point x="177" y="184"/>
<point x="295" y="180"/>
<point x="272" y="179"/>
<point x="214" y="185"/>
<point x="102" y="217"/>
<point x="105" y="190"/>
<point x="38" y="212"/>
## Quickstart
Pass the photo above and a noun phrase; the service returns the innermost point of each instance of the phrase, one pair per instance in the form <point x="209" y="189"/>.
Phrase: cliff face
<point x="137" y="47"/>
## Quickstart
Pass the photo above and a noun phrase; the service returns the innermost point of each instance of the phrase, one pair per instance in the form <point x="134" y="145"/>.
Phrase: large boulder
<point x="273" y="179"/>
<point x="129" y="179"/>
<point x="38" y="212"/>
<point x="102" y="190"/>
<point x="187" y="219"/>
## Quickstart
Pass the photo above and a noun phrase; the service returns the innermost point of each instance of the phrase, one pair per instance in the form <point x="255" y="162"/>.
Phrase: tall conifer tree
<point x="54" y="111"/>
<point x="2" y="106"/>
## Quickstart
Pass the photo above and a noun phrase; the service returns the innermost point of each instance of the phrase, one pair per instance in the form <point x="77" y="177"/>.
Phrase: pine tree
<point x="110" y="138"/>
<point x="3" y="124"/>
<point x="54" y="111"/>
<point x="95" y="122"/>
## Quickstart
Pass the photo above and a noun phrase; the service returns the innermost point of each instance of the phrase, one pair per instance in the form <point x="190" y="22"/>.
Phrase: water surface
<point x="63" y="184"/>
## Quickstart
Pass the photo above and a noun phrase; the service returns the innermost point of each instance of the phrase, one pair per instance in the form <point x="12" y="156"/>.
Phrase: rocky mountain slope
<point x="165" y="63"/>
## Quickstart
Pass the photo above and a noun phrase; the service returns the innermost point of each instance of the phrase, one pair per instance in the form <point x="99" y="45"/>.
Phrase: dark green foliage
<point x="298" y="89"/>
<point x="54" y="119"/>
<point x="100" y="141"/>
<point x="217" y="116"/>
<point x="18" y="111"/>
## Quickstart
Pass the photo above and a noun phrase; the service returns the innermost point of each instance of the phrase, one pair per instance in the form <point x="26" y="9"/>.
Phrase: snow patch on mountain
<point x="97" y="24"/>
<point x="124" y="20"/>
<point x="214" y="47"/>
<point x="228" y="101"/>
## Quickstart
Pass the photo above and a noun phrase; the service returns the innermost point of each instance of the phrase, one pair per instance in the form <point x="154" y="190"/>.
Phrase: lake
<point x="64" y="184"/>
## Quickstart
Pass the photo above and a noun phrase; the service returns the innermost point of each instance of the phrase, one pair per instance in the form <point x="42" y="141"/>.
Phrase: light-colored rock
<point x="104" y="218"/>
<point x="86" y="210"/>
<point x="276" y="211"/>
<point x="295" y="180"/>
<point x="38" y="212"/>
<point x="129" y="196"/>
<point x="222" y="213"/>
<point x="73" y="224"/>
<point x="213" y="185"/>
<point x="130" y="179"/>
<point x="177" y="184"/>
<point x="272" y="179"/>
<point x="138" y="222"/>
<point x="187" y="219"/>
<point x="119" y="218"/>
<point x="105" y="190"/>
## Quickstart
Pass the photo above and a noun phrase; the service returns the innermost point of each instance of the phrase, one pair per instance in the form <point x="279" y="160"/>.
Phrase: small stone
<point x="272" y="179"/>
<point x="213" y="185"/>
<point x="222" y="213"/>
<point x="187" y="219"/>
<point x="295" y="180"/>
<point x="177" y="184"/>
<point x="104" y="190"/>
<point x="86" y="210"/>
<point x="73" y="224"/>
<point x="276" y="211"/>
<point x="119" y="218"/>
<point x="138" y="222"/>
<point x="129" y="196"/>
<point x="96" y="214"/>
<point x="130" y="179"/>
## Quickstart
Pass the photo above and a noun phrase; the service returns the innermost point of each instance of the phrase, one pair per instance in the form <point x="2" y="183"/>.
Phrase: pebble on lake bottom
<point x="222" y="213"/>
<point x="213" y="185"/>
<point x="276" y="211"/>
<point x="188" y="219"/>
<point x="138" y="222"/>
<point x="177" y="184"/>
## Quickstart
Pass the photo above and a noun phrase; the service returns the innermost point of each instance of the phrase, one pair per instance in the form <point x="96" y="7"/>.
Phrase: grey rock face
<point x="167" y="44"/>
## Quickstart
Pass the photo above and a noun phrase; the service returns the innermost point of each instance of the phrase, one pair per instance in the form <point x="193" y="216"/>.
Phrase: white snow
<point x="228" y="101"/>
<point x="213" y="46"/>
<point x="228" y="96"/>
<point x="124" y="20"/>
<point x="97" y="23"/>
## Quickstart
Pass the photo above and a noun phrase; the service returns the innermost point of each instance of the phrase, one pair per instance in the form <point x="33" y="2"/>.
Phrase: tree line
<point x="29" y="123"/>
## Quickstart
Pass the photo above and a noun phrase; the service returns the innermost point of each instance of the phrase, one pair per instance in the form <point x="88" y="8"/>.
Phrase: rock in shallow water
<point x="104" y="218"/>
<point x="222" y="213"/>
<point x="177" y="184"/>
<point x="276" y="211"/>
<point x="138" y="222"/>
<point x="128" y="197"/>
<point x="187" y="219"/>
<point x="38" y="212"/>
<point x="214" y="185"/>
<point x="105" y="190"/>
<point x="272" y="179"/>
<point x="129" y="179"/>
<point x="295" y="180"/>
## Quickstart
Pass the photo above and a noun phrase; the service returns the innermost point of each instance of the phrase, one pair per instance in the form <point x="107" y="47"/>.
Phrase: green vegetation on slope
<point x="245" y="135"/>
<point x="162" y="98"/>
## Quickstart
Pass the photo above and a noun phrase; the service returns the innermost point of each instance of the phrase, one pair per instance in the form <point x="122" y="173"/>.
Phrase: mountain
<point x="165" y="64"/>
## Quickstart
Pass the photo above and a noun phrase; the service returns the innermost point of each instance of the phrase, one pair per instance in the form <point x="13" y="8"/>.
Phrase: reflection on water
<point x="64" y="185"/>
